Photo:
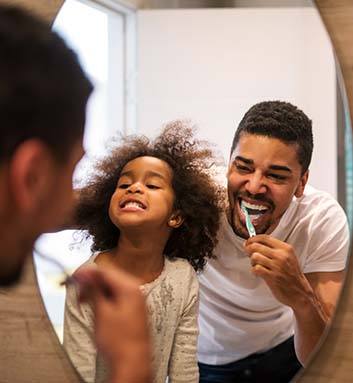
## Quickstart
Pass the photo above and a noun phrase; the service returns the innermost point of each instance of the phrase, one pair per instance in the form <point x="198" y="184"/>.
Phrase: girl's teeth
<point x="133" y="204"/>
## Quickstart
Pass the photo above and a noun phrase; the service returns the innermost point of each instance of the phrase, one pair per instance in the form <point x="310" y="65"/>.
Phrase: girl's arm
<point x="121" y="325"/>
<point x="79" y="335"/>
<point x="183" y="365"/>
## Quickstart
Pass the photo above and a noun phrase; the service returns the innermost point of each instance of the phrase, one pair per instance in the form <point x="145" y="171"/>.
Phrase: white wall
<point x="211" y="65"/>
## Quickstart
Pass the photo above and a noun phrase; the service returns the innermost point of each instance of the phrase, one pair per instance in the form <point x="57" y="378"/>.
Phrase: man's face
<point x="48" y="208"/>
<point x="263" y="176"/>
<point x="58" y="202"/>
<point x="60" y="199"/>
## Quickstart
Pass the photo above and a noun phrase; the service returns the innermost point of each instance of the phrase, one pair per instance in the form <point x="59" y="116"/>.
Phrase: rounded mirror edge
<point x="320" y="362"/>
<point x="326" y="364"/>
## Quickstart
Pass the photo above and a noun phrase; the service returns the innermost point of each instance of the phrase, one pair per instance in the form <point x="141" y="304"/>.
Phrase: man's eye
<point x="242" y="168"/>
<point x="277" y="177"/>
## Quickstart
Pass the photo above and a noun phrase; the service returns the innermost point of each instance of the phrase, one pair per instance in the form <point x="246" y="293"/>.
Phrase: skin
<point x="144" y="229"/>
<point x="36" y="196"/>
<point x="266" y="172"/>
<point x="28" y="182"/>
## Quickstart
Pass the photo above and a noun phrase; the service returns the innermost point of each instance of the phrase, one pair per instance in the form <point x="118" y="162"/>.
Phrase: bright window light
<point x="104" y="40"/>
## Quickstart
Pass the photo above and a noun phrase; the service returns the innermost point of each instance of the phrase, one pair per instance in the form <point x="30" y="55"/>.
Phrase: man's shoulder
<point x="316" y="201"/>
<point x="317" y="213"/>
<point x="310" y="192"/>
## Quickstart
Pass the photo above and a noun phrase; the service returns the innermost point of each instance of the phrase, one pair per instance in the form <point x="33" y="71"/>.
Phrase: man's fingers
<point x="87" y="286"/>
<point x="260" y="271"/>
<point x="266" y="240"/>
<point x="259" y="259"/>
<point x="96" y="283"/>
<point x="260" y="248"/>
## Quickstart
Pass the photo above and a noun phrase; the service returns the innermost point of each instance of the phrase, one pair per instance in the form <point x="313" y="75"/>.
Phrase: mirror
<point x="218" y="78"/>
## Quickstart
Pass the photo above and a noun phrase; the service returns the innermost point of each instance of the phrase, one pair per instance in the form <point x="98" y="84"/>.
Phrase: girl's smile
<point x="132" y="204"/>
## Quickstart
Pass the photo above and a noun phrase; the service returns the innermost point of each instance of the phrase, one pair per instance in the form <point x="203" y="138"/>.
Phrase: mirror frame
<point x="30" y="350"/>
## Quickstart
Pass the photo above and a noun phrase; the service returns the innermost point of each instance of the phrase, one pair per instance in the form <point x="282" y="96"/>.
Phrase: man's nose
<point x="256" y="184"/>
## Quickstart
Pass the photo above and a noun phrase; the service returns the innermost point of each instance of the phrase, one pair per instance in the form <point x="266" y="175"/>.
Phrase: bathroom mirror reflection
<point x="208" y="65"/>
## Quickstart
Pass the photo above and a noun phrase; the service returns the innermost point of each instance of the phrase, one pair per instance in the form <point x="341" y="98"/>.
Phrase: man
<point x="286" y="280"/>
<point x="43" y="96"/>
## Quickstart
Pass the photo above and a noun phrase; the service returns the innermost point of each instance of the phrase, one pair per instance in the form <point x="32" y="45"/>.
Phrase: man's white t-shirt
<point x="238" y="314"/>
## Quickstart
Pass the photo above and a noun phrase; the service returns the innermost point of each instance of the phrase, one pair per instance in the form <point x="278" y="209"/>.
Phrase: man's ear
<point x="176" y="220"/>
<point x="30" y="172"/>
<point x="301" y="186"/>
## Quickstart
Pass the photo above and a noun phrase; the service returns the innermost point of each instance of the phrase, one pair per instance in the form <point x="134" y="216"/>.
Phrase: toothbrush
<point x="249" y="225"/>
<point x="70" y="279"/>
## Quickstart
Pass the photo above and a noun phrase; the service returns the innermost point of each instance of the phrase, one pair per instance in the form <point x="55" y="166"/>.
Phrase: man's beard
<point x="11" y="266"/>
<point x="13" y="277"/>
<point x="242" y="231"/>
<point x="233" y="216"/>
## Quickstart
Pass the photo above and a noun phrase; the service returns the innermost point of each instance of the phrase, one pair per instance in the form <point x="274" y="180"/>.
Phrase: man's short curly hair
<point x="281" y="120"/>
<point x="197" y="196"/>
<point x="43" y="91"/>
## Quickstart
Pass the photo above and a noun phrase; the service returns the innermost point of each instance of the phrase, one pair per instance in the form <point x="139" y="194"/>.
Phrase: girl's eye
<point x="123" y="186"/>
<point x="152" y="186"/>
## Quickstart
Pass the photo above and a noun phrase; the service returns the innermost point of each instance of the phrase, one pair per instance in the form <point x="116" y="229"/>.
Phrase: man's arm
<point x="312" y="297"/>
<point x="321" y="304"/>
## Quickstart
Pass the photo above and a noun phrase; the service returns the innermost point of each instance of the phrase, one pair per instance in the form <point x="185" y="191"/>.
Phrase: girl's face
<point x="144" y="196"/>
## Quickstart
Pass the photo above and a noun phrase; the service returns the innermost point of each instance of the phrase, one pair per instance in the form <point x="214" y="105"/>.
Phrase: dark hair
<point x="43" y="90"/>
<point x="281" y="120"/>
<point x="198" y="198"/>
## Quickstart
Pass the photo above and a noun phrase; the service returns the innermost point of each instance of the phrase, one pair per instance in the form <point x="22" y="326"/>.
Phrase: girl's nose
<point x="135" y="188"/>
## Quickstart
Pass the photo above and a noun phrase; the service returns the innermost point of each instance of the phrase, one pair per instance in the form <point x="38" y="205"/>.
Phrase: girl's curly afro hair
<point x="197" y="196"/>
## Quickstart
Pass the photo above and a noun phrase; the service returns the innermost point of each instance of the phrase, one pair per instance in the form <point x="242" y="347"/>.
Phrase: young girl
<point x="151" y="209"/>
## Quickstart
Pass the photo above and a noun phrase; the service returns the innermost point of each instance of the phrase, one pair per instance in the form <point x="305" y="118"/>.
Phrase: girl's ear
<point x="176" y="220"/>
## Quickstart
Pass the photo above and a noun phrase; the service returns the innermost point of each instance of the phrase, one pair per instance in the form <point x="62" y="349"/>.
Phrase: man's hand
<point x="121" y="330"/>
<point x="312" y="297"/>
<point x="276" y="262"/>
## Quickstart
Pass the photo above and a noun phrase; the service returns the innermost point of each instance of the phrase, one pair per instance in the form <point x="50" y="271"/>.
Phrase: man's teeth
<point x="251" y="206"/>
<point x="254" y="217"/>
